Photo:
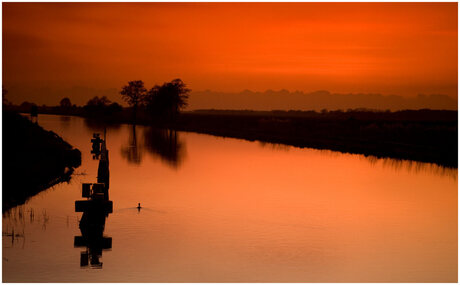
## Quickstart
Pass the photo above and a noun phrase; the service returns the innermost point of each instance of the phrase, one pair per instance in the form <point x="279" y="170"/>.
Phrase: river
<point x="228" y="210"/>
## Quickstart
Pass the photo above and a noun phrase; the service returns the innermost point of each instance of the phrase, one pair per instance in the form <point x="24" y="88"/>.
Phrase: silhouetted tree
<point x="25" y="107"/>
<point x="165" y="101"/>
<point x="97" y="106"/>
<point x="134" y="94"/>
<point x="65" y="103"/>
<point x="114" y="108"/>
<point x="100" y="102"/>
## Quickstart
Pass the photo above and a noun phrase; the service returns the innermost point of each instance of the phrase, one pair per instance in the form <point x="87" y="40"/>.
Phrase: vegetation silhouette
<point x="65" y="103"/>
<point x="101" y="107"/>
<point x="17" y="220"/>
<point x="33" y="159"/>
<point x="163" y="102"/>
<point x="134" y="95"/>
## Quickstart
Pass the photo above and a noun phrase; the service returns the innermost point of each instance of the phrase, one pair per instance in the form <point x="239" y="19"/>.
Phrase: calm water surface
<point x="228" y="210"/>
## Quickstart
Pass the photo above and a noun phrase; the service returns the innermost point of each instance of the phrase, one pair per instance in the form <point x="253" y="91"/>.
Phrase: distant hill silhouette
<point x="318" y="100"/>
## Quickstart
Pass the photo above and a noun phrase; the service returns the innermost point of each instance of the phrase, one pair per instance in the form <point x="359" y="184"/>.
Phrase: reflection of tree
<point x="65" y="121"/>
<point x="166" y="144"/>
<point x="132" y="152"/>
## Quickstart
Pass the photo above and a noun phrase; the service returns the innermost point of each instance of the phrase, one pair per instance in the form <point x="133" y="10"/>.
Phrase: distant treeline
<point x="318" y="100"/>
<point x="95" y="107"/>
<point x="358" y="114"/>
<point x="161" y="103"/>
<point x="33" y="159"/>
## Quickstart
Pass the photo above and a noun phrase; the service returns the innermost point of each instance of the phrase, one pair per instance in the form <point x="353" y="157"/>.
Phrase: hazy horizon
<point x="49" y="48"/>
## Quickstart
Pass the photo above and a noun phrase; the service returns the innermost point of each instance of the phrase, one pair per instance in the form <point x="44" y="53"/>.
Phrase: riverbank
<point x="422" y="135"/>
<point x="33" y="159"/>
<point x="419" y="135"/>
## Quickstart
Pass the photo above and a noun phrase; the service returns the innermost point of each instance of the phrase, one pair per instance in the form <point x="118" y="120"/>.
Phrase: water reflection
<point x="96" y="125"/>
<point x="65" y="120"/>
<point x="132" y="151"/>
<point x="413" y="166"/>
<point x="275" y="146"/>
<point x="162" y="143"/>
<point x="165" y="144"/>
<point x="391" y="163"/>
<point x="305" y="206"/>
<point x="92" y="237"/>
<point x="96" y="145"/>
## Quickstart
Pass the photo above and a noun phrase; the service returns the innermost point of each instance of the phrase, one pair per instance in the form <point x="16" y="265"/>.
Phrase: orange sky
<point x="389" y="48"/>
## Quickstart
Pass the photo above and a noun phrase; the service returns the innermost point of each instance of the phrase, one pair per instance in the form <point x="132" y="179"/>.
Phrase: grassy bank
<point x="33" y="159"/>
<point x="422" y="135"/>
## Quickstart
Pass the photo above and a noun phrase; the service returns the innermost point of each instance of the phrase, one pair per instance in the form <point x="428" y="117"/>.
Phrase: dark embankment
<point x="420" y="135"/>
<point x="33" y="159"/>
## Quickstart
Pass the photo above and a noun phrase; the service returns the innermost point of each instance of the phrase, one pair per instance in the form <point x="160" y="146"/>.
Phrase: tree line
<point x="161" y="103"/>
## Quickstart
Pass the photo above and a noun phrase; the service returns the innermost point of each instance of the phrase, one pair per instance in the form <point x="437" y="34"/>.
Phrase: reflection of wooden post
<point x="84" y="257"/>
<point x="86" y="190"/>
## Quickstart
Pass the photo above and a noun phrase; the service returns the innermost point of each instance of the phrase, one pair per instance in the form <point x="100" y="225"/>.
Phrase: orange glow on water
<point x="234" y="211"/>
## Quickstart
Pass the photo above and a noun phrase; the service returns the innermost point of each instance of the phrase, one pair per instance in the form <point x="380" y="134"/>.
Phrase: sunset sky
<point x="85" y="49"/>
